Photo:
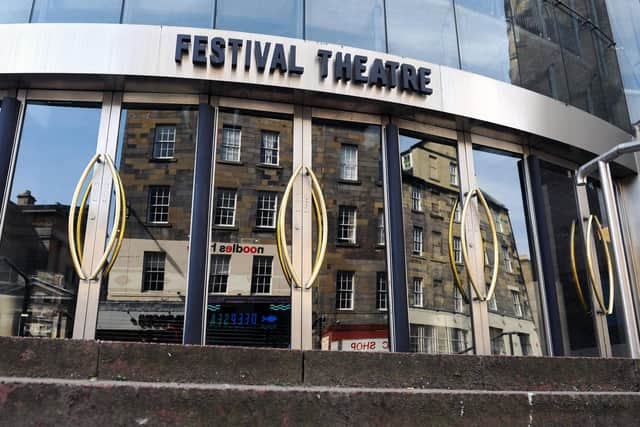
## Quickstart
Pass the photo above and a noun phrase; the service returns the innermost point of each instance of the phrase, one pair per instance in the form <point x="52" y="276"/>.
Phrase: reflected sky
<point x="103" y="11"/>
<point x="55" y="146"/>
<point x="14" y="11"/>
<point x="186" y="13"/>
<point x="625" y="22"/>
<point x="278" y="17"/>
<point x="349" y="22"/>
<point x="497" y="175"/>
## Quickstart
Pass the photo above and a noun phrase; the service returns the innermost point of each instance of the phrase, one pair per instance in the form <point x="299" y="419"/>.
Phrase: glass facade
<point x="188" y="13"/>
<point x="278" y="17"/>
<point x="104" y="11"/>
<point x="564" y="50"/>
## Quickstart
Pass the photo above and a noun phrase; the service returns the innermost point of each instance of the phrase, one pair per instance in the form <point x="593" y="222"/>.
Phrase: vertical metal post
<point x="301" y="229"/>
<point x="196" y="302"/>
<point x="620" y="261"/>
<point x="86" y="314"/>
<point x="394" y="226"/>
<point x="8" y="126"/>
<point x="479" y="309"/>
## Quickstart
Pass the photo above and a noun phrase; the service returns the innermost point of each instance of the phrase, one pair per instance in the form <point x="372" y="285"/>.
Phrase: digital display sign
<point x="249" y="323"/>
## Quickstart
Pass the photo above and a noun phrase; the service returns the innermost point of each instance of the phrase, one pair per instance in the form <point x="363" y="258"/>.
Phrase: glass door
<point x="144" y="285"/>
<point x="47" y="247"/>
<point x="348" y="302"/>
<point x="508" y="303"/>
<point x="438" y="296"/>
<point x="249" y="292"/>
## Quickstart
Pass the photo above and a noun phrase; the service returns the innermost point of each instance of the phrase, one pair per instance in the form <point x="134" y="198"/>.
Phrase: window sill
<point x="380" y="246"/>
<point x="264" y="229"/>
<point x="349" y="182"/>
<point x="344" y="309"/>
<point x="167" y="160"/>
<point x="268" y="166"/>
<point x="158" y="224"/>
<point x="230" y="162"/>
<point x="347" y="245"/>
<point x="225" y="227"/>
<point x="418" y="211"/>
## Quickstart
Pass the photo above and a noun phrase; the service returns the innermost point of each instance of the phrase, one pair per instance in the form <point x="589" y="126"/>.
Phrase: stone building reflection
<point x="37" y="282"/>
<point x="439" y="315"/>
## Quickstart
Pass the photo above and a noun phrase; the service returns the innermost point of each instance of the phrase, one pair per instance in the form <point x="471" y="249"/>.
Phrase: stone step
<point x="112" y="361"/>
<point x="44" y="402"/>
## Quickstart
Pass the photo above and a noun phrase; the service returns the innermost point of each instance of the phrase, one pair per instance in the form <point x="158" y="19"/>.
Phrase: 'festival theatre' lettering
<point x="275" y="57"/>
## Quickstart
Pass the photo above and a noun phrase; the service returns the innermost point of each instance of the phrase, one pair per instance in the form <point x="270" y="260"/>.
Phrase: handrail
<point x="609" y="155"/>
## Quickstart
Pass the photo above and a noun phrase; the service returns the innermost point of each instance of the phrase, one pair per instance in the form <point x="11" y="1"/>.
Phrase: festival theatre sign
<point x="268" y="57"/>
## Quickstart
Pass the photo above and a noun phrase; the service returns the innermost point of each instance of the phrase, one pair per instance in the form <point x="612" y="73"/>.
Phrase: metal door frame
<point x="110" y="132"/>
<point x="292" y="112"/>
<point x="601" y="165"/>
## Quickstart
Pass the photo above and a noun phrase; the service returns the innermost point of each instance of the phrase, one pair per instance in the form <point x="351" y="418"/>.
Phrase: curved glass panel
<point x="539" y="56"/>
<point x="348" y="22"/>
<point x="487" y="45"/>
<point x="15" y="11"/>
<point x="186" y="13"/>
<point x="625" y="23"/>
<point x="103" y="11"/>
<point x="406" y="24"/>
<point x="277" y="17"/>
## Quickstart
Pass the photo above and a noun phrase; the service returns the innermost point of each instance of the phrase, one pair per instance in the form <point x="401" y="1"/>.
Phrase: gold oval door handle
<point x="323" y="232"/>
<point x="78" y="231"/>
<point x="494" y="236"/>
<point x="71" y="226"/>
<point x="599" y="298"/>
<point x="574" y="270"/>
<point x="281" y="240"/>
<point x="123" y="226"/>
<point x="452" y="258"/>
<point x="113" y="236"/>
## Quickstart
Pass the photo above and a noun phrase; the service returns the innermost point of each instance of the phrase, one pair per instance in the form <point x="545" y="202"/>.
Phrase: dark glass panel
<point x="539" y="56"/>
<point x="560" y="211"/>
<point x="278" y="17"/>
